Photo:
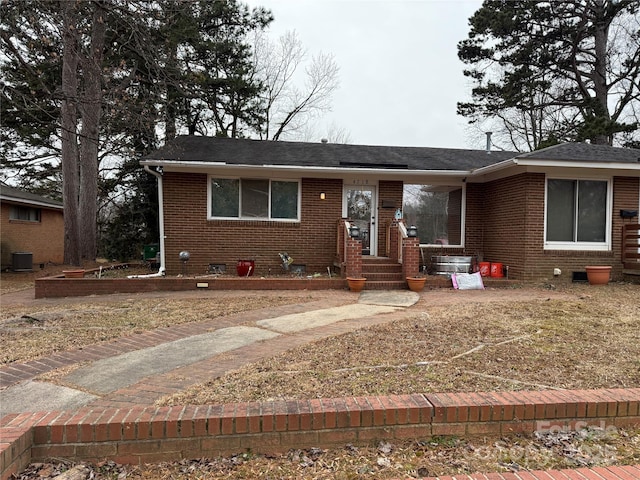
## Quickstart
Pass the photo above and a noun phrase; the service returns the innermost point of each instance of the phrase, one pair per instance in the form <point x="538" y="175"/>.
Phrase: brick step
<point x="386" y="285"/>
<point x="382" y="276"/>
<point x="383" y="268"/>
<point x="366" y="259"/>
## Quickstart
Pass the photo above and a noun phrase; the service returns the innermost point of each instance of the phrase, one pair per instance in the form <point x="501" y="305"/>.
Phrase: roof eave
<point x="385" y="172"/>
<point x="22" y="201"/>
<point x="532" y="162"/>
<point x="494" y="167"/>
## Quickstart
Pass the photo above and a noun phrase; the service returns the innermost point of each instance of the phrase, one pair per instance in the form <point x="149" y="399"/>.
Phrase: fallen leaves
<point x="412" y="459"/>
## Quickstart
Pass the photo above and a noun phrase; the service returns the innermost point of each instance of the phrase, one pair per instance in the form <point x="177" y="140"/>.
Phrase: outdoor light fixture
<point x="412" y="231"/>
<point x="184" y="256"/>
<point x="322" y="196"/>
<point x="354" y="231"/>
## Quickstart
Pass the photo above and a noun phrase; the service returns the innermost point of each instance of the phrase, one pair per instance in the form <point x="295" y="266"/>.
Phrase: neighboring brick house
<point x="30" y="224"/>
<point x="229" y="199"/>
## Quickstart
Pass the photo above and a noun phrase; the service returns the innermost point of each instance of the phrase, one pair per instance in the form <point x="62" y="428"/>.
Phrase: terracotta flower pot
<point x="598" y="274"/>
<point x="356" y="284"/>
<point x="73" y="273"/>
<point x="416" y="284"/>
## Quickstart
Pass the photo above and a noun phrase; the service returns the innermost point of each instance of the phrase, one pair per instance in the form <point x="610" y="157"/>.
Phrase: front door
<point x="360" y="206"/>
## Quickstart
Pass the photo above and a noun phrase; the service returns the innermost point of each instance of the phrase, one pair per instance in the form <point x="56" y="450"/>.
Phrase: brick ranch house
<point x="30" y="223"/>
<point x="224" y="200"/>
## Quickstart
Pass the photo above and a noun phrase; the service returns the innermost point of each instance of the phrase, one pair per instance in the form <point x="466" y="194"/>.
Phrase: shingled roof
<point x="199" y="149"/>
<point x="585" y="152"/>
<point x="264" y="152"/>
<point x="15" y="195"/>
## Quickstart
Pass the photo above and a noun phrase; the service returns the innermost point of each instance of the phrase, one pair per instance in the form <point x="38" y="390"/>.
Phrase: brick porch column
<point x="410" y="257"/>
<point x="393" y="241"/>
<point x="354" y="258"/>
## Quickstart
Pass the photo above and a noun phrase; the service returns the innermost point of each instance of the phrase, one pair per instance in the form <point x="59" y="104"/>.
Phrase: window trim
<point x="27" y="208"/>
<point x="256" y="219"/>
<point x="463" y="215"/>
<point x="580" y="246"/>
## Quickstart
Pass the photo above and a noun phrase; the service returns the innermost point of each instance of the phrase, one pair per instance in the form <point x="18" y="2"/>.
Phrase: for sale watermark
<point x="579" y="444"/>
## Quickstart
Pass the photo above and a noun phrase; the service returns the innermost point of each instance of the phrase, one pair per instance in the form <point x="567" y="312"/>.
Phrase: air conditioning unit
<point x="22" y="261"/>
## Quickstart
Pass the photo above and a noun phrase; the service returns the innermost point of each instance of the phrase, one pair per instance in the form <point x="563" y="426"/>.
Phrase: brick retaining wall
<point x="150" y="434"/>
<point x="55" y="287"/>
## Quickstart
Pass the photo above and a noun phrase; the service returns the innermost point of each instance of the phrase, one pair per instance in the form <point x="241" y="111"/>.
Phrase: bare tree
<point x="80" y="111"/>
<point x="288" y="107"/>
<point x="332" y="133"/>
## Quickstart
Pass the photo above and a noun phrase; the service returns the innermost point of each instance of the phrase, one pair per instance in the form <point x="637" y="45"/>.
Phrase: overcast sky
<point x="400" y="76"/>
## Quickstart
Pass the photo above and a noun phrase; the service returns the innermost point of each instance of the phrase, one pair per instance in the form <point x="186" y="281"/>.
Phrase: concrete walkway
<point x="143" y="368"/>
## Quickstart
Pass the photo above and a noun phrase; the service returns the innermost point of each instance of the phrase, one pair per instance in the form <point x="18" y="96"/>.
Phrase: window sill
<point x="579" y="253"/>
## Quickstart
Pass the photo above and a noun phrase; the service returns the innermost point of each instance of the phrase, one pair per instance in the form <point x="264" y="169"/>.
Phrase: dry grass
<point x="72" y="323"/>
<point x="589" y="340"/>
<point x="584" y="338"/>
<point x="67" y="326"/>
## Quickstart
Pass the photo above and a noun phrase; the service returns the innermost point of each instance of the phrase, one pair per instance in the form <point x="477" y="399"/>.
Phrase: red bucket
<point x="485" y="269"/>
<point x="496" y="270"/>
<point x="245" y="268"/>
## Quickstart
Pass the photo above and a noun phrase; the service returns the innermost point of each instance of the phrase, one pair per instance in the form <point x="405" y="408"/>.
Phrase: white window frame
<point x="463" y="214"/>
<point x="595" y="246"/>
<point x="256" y="219"/>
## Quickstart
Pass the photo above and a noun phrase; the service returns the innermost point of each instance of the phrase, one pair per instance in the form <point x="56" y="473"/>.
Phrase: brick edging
<point x="627" y="472"/>
<point x="151" y="434"/>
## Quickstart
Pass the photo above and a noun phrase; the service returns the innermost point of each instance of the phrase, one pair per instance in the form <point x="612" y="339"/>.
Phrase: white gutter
<point x="532" y="162"/>
<point x="389" y="172"/>
<point x="161" y="271"/>
<point x="572" y="164"/>
<point x="494" y="167"/>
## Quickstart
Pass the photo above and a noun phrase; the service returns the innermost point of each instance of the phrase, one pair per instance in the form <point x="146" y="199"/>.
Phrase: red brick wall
<point x="45" y="239"/>
<point x="391" y="193"/>
<point x="540" y="262"/>
<point x="312" y="241"/>
<point x="454" y="220"/>
<point x="474" y="220"/>
<point x="505" y="223"/>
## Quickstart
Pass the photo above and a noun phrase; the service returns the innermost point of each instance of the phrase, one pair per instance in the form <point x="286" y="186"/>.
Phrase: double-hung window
<point x="27" y="214"/>
<point x="578" y="214"/>
<point x="254" y="199"/>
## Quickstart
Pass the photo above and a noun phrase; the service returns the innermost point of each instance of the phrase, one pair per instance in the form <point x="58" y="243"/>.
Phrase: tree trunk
<point x="600" y="71"/>
<point x="172" y="94"/>
<point x="69" y="121"/>
<point x="91" y="111"/>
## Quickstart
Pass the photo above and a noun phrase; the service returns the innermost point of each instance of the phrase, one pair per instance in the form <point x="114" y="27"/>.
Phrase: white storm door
<point x="359" y="204"/>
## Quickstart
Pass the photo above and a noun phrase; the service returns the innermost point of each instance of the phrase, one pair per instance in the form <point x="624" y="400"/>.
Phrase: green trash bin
<point x="150" y="251"/>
